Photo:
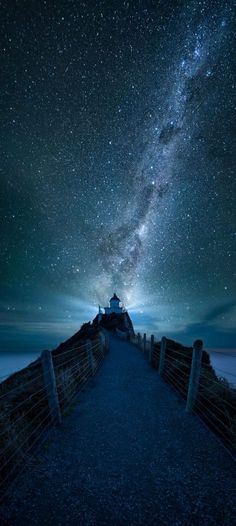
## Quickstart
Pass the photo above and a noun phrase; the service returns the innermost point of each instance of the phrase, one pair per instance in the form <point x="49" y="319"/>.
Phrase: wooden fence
<point x="188" y="370"/>
<point x="36" y="398"/>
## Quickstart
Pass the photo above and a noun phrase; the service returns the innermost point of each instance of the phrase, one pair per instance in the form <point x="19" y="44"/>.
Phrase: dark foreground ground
<point x="127" y="455"/>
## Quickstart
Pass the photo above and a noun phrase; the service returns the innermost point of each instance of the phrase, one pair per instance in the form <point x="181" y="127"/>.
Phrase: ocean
<point x="11" y="362"/>
<point x="224" y="363"/>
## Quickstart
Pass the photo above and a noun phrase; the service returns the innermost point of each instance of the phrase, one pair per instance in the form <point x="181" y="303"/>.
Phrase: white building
<point x="114" y="306"/>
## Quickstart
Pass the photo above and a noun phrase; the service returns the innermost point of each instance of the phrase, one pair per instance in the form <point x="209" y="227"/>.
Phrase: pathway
<point x="127" y="455"/>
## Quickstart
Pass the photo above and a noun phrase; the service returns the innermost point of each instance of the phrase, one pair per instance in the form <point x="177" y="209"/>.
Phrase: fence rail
<point x="30" y="407"/>
<point x="188" y="370"/>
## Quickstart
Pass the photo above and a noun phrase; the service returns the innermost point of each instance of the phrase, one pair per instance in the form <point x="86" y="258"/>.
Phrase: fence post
<point x="50" y="385"/>
<point x="151" y="349"/>
<point x="162" y="355"/>
<point x="90" y="354"/>
<point x="139" y="339"/>
<point x="144" y="342"/>
<point x="194" y="375"/>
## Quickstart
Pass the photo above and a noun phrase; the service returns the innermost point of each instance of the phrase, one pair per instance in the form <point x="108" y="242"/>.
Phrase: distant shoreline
<point x="13" y="361"/>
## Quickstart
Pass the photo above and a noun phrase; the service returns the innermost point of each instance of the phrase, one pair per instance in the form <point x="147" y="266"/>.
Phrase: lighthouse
<point x="114" y="317"/>
<point x="114" y="306"/>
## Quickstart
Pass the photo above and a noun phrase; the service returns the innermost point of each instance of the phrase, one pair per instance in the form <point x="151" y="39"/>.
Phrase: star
<point x="117" y="167"/>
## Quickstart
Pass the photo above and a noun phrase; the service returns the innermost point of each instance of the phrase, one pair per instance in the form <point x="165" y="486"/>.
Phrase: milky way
<point x="125" y="248"/>
<point x="117" y="173"/>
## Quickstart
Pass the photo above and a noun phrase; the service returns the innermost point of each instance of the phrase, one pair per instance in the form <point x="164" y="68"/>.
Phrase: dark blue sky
<point x="117" y="172"/>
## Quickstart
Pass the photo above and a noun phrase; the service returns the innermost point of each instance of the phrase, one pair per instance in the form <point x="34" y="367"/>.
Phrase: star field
<point x="118" y="167"/>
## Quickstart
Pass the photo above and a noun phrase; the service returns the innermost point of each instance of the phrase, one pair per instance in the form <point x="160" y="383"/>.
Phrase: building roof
<point x="114" y="297"/>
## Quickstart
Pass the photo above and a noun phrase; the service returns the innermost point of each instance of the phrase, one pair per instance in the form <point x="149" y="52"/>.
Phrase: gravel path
<point x="128" y="455"/>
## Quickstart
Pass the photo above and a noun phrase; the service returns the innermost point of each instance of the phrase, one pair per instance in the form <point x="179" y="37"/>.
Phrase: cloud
<point x="219" y="311"/>
<point x="213" y="329"/>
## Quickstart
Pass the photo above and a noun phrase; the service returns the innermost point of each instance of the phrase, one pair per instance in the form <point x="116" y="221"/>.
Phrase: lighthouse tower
<point x="114" y="306"/>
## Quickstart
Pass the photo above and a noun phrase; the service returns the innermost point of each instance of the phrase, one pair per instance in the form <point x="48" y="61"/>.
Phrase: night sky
<point x="117" y="167"/>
